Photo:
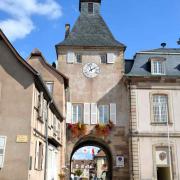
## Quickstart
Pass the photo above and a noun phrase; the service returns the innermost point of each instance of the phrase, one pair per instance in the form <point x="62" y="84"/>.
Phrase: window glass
<point x="78" y="58"/>
<point x="160" y="108"/>
<point x="50" y="87"/>
<point x="103" y="114"/>
<point x="158" y="67"/>
<point x="90" y="8"/>
<point x="103" y="58"/>
<point x="77" y="110"/>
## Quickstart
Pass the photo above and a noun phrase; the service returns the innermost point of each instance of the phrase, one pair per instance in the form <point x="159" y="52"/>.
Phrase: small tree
<point x="78" y="172"/>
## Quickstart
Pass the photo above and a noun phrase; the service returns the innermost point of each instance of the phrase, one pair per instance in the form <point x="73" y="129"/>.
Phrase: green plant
<point x="78" y="172"/>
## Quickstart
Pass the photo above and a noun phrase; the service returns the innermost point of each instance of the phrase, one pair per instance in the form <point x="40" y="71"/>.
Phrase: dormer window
<point x="158" y="66"/>
<point x="90" y="8"/>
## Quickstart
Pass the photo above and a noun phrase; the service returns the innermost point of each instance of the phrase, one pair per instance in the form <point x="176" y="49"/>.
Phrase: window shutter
<point x="41" y="104"/>
<point x="44" y="110"/>
<point x="87" y="117"/>
<point x="111" y="58"/>
<point x="37" y="155"/>
<point x="69" y="113"/>
<point x="113" y="112"/>
<point x="70" y="57"/>
<point x="54" y="124"/>
<point x="93" y="113"/>
<point x="2" y="150"/>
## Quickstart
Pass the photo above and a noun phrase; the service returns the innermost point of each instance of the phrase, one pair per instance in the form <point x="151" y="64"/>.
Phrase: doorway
<point x="163" y="173"/>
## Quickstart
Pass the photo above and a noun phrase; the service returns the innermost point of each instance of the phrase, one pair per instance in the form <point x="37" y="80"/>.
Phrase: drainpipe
<point x="46" y="139"/>
<point x="131" y="150"/>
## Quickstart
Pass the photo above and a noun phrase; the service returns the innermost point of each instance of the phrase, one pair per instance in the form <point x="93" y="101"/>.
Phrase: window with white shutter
<point x="45" y="110"/>
<point x="111" y="58"/>
<point x="71" y="57"/>
<point x="39" y="155"/>
<point x="41" y="105"/>
<point x="58" y="130"/>
<point x="87" y="117"/>
<point x="93" y="113"/>
<point x="54" y="124"/>
<point x="103" y="112"/>
<point x="77" y="113"/>
<point x="113" y="113"/>
<point x="69" y="113"/>
<point x="2" y="150"/>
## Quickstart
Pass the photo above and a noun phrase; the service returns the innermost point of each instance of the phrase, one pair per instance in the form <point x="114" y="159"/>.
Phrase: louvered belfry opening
<point x="88" y="1"/>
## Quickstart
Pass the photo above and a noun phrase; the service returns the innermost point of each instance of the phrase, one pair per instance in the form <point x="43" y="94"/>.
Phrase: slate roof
<point x="91" y="30"/>
<point x="142" y="66"/>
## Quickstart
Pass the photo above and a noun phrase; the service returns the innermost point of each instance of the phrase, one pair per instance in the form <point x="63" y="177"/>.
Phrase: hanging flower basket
<point x="77" y="130"/>
<point x="104" y="129"/>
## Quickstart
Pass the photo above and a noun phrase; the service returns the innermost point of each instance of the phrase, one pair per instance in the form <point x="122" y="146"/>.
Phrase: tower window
<point x="90" y="8"/>
<point x="104" y="58"/>
<point x="78" y="58"/>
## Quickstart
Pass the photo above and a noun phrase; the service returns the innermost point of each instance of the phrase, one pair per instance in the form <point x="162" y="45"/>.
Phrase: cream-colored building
<point x="155" y="117"/>
<point x="30" y="121"/>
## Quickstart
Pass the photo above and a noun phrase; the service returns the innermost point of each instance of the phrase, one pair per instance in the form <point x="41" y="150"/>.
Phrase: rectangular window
<point x="90" y="8"/>
<point x="158" y="67"/>
<point x="160" y="108"/>
<point x="54" y="124"/>
<point x="77" y="113"/>
<point x="104" y="59"/>
<point x="39" y="156"/>
<point x="103" y="111"/>
<point x="2" y="150"/>
<point x="50" y="87"/>
<point x="78" y="58"/>
<point x="45" y="110"/>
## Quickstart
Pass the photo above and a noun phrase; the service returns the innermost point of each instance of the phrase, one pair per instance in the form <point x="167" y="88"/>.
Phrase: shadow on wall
<point x="14" y="67"/>
<point x="119" y="94"/>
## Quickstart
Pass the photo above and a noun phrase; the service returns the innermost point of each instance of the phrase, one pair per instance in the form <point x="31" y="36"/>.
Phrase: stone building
<point x="57" y="84"/>
<point x="94" y="62"/>
<point x="155" y="95"/>
<point x="30" y="121"/>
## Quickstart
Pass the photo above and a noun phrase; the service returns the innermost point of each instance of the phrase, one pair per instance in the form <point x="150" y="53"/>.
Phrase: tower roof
<point x="90" y="30"/>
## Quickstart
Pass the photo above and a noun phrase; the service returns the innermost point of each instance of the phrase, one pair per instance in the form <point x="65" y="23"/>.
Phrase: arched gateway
<point x="94" y="141"/>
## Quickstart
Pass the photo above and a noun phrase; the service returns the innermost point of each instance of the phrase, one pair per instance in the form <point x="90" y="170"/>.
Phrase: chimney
<point x="67" y="27"/>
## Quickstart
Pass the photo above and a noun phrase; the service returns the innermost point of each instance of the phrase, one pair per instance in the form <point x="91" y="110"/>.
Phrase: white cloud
<point x="20" y="23"/>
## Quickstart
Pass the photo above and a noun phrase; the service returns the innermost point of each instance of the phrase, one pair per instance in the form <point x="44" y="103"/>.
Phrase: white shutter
<point x="87" y="117"/>
<point x="93" y="113"/>
<point x="41" y="104"/>
<point x="69" y="113"/>
<point x="37" y="155"/>
<point x="111" y="58"/>
<point x="70" y="57"/>
<point x="113" y="112"/>
<point x="2" y="150"/>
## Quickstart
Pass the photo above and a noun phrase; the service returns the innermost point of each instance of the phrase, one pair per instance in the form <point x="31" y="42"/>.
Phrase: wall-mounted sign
<point x="119" y="161"/>
<point x="22" y="139"/>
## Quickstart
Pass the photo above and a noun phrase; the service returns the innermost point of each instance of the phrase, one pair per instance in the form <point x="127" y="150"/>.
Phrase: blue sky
<point x="85" y="153"/>
<point x="139" y="24"/>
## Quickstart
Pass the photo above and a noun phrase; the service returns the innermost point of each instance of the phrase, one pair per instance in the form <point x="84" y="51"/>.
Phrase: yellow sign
<point x="22" y="139"/>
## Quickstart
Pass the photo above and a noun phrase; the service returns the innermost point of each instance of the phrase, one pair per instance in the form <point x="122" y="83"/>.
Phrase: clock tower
<point x="94" y="62"/>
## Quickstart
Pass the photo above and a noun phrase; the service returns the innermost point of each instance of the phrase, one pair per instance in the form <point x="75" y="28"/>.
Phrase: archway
<point x="102" y="145"/>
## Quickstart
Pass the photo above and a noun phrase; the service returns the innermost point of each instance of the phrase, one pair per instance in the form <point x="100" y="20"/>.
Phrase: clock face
<point x="91" y="70"/>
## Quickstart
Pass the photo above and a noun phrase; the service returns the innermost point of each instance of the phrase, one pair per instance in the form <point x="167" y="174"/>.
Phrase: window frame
<point x="82" y="111"/>
<point x="169" y="108"/>
<point x="90" y="8"/>
<point x="4" y="150"/>
<point x="163" y="68"/>
<point x="108" y="107"/>
<point x="76" y="59"/>
<point x="103" y="56"/>
<point x="52" y="88"/>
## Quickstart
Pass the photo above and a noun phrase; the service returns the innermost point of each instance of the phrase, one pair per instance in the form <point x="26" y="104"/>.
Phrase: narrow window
<point x="158" y="67"/>
<point x="90" y="8"/>
<point x="103" y="59"/>
<point x="78" y="58"/>
<point x="103" y="114"/>
<point x="50" y="85"/>
<point x="77" y="110"/>
<point x="54" y="124"/>
<point x="2" y="150"/>
<point x="160" y="108"/>
<point x="40" y="160"/>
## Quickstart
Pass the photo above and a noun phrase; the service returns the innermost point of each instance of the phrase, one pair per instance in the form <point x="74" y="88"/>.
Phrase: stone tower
<point x="94" y="62"/>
